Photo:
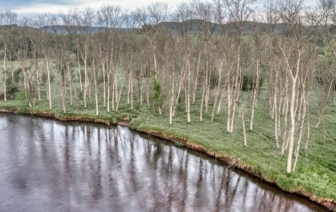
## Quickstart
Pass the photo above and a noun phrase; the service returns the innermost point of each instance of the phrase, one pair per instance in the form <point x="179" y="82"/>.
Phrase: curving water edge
<point x="51" y="165"/>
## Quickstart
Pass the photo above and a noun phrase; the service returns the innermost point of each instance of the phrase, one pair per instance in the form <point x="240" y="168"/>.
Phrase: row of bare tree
<point x="200" y="53"/>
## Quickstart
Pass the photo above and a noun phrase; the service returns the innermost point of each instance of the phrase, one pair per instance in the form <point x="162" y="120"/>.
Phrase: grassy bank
<point x="315" y="176"/>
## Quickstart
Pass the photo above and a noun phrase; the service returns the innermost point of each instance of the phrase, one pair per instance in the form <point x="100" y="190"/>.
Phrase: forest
<point x="221" y="67"/>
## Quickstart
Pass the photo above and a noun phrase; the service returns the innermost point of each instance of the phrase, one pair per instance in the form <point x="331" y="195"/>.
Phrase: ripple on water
<point x="47" y="165"/>
<point x="3" y="125"/>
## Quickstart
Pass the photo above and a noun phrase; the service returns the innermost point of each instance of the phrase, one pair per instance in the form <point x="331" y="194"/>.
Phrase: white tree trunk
<point x="49" y="86"/>
<point x="292" y="126"/>
<point x="243" y="123"/>
<point x="5" y="75"/>
<point x="96" y="86"/>
<point x="297" y="151"/>
<point x="172" y="98"/>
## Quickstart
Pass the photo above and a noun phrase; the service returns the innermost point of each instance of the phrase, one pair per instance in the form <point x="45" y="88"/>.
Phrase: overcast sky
<point x="31" y="8"/>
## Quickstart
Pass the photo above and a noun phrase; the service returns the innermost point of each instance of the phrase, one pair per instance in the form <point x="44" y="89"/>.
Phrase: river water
<point x="46" y="165"/>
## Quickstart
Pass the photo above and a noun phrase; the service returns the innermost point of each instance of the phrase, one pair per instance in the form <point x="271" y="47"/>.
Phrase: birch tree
<point x="291" y="48"/>
<point x="239" y="12"/>
<point x="6" y="18"/>
<point x="84" y="20"/>
<point x="46" y="48"/>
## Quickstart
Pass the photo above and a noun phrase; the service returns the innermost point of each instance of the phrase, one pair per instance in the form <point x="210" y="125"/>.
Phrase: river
<point x="47" y="165"/>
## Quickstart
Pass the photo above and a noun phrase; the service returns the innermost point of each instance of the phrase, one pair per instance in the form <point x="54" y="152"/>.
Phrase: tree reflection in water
<point x="49" y="165"/>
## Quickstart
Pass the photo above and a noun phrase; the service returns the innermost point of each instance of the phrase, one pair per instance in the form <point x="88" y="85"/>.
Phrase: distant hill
<point x="191" y="26"/>
<point x="196" y="26"/>
<point x="8" y="26"/>
<point x="66" y="29"/>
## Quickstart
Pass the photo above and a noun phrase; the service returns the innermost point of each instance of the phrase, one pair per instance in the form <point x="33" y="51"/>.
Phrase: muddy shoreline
<point x="232" y="162"/>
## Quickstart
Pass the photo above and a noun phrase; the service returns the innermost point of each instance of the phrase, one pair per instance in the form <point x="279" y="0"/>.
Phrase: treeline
<point x="208" y="54"/>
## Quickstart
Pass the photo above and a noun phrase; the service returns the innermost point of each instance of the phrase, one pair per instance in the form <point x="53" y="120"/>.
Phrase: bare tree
<point x="68" y="23"/>
<point x="6" y="18"/>
<point x="20" y="47"/>
<point x="239" y="12"/>
<point x="291" y="48"/>
<point x="326" y="76"/>
<point x="157" y="12"/>
<point x="183" y="14"/>
<point x="204" y="11"/>
<point x="84" y="20"/>
<point x="257" y="38"/>
<point x="109" y="18"/>
<point x="42" y="23"/>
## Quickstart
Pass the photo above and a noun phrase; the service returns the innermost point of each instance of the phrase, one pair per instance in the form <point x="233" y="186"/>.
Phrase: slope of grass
<point x="315" y="175"/>
<point x="316" y="169"/>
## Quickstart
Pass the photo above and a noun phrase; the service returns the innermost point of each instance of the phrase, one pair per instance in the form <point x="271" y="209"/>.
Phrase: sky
<point x="32" y="8"/>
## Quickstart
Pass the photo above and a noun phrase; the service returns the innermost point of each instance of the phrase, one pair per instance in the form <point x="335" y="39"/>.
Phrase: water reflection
<point x="52" y="166"/>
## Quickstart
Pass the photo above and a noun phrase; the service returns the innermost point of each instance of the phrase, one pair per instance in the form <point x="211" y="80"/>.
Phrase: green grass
<point x="316" y="169"/>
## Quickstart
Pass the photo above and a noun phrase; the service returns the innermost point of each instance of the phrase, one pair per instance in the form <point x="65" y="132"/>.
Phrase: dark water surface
<point x="46" y="165"/>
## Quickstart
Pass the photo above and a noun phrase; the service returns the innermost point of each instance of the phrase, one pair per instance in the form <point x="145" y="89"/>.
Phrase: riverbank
<point x="228" y="150"/>
<point x="234" y="162"/>
<point x="89" y="163"/>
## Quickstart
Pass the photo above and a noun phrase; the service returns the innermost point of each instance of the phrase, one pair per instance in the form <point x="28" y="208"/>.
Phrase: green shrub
<point x="80" y="96"/>
<point x="249" y="83"/>
<point x="157" y="93"/>
<point x="17" y="75"/>
<point x="20" y="96"/>
<point x="179" y="144"/>
<point x="10" y="82"/>
<point x="44" y="77"/>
